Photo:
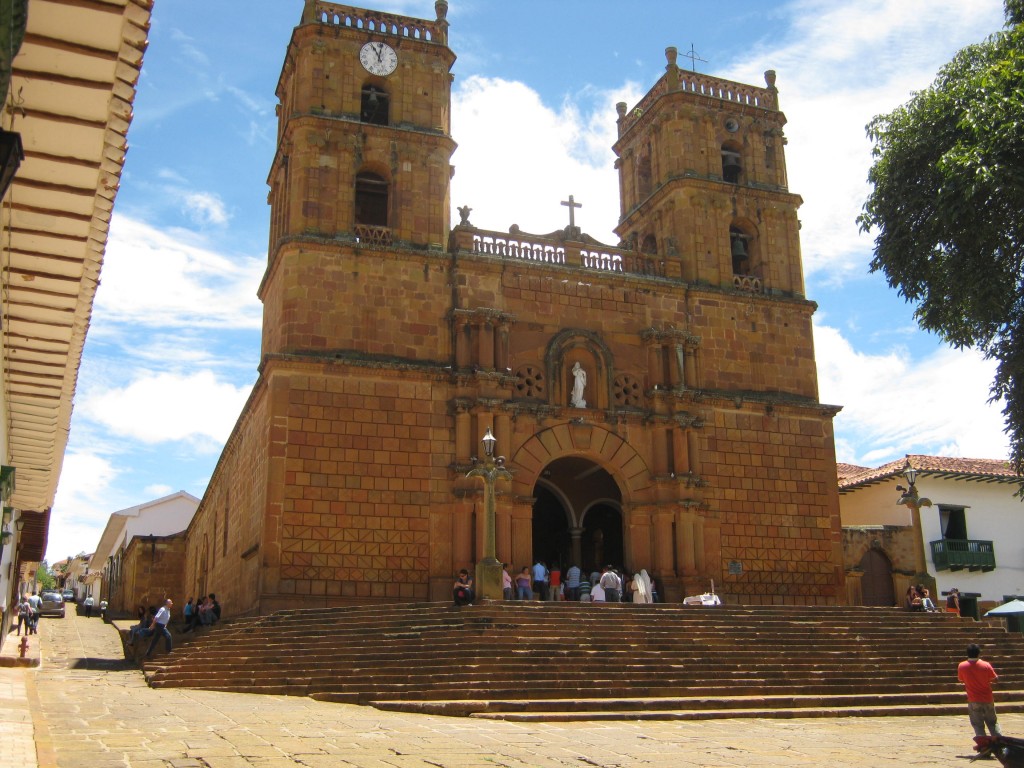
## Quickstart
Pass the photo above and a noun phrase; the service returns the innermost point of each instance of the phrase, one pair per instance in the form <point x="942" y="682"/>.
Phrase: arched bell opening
<point x="732" y="166"/>
<point x="375" y="106"/>
<point x="371" y="200"/>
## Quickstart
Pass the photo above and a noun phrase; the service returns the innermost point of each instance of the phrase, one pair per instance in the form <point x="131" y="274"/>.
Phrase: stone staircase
<point x="560" y="661"/>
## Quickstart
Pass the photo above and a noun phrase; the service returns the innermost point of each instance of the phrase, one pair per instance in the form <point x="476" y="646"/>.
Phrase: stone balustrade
<point x="748" y="283"/>
<point x="531" y="248"/>
<point x="377" y="21"/>
<point x="705" y="85"/>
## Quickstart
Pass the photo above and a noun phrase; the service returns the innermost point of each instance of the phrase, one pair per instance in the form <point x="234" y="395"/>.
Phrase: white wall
<point x="992" y="514"/>
<point x="163" y="517"/>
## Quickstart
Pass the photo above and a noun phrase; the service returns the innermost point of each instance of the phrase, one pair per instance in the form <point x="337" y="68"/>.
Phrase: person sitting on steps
<point x="913" y="601"/>
<point x="462" y="591"/>
<point x="926" y="599"/>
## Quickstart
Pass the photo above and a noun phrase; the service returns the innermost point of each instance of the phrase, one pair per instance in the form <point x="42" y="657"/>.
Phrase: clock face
<point x="378" y="59"/>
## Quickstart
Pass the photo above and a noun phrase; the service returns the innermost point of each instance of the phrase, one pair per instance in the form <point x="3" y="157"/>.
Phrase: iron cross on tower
<point x="572" y="212"/>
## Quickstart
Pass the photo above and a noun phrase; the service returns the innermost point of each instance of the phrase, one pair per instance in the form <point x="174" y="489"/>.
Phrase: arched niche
<point x="565" y="350"/>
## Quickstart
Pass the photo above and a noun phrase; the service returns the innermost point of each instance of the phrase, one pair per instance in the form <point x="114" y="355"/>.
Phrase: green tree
<point x="947" y="208"/>
<point x="44" y="578"/>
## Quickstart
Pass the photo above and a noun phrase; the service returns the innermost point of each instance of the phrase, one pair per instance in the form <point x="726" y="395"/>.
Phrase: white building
<point x="973" y="532"/>
<point x="162" y="517"/>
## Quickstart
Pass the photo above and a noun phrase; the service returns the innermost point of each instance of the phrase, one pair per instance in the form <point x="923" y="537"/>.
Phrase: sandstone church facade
<point x="656" y="401"/>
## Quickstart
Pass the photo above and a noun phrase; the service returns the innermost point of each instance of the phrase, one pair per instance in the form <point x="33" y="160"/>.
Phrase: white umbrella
<point x="1007" y="609"/>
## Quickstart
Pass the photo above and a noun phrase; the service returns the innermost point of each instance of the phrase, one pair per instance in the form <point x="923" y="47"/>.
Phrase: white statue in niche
<point x="580" y="384"/>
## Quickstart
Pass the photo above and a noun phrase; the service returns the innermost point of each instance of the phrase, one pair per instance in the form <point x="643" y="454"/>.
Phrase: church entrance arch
<point x="577" y="517"/>
<point x="552" y="542"/>
<point x="602" y="537"/>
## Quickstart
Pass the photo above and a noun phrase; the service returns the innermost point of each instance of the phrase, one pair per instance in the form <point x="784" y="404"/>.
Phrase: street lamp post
<point x="913" y="502"/>
<point x="488" y="569"/>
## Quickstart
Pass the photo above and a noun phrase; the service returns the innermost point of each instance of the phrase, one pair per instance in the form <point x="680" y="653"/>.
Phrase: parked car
<point x="53" y="605"/>
<point x="68" y="595"/>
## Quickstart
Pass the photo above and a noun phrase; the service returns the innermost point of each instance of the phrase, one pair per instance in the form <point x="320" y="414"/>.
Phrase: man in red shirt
<point x="977" y="677"/>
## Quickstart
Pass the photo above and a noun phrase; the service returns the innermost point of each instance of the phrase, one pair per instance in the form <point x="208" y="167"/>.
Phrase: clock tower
<point x="364" y="151"/>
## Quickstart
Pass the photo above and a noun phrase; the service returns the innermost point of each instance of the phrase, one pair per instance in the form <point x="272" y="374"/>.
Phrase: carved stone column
<point x="486" y="352"/>
<point x="463" y="436"/>
<point x="463" y="342"/>
<point x="685" y="538"/>
<point x="663" y="544"/>
<point x="576" y="537"/>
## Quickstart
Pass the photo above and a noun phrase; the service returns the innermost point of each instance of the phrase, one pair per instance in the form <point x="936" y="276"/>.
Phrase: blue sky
<point x="174" y="342"/>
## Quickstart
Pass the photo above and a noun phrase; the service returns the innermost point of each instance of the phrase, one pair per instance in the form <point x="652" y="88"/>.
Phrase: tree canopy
<point x="947" y="208"/>
<point x="44" y="578"/>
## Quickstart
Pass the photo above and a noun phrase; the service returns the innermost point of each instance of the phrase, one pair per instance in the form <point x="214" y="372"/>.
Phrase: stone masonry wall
<point x="773" y="480"/>
<point x="153" y="570"/>
<point x="226" y="537"/>
<point x="365" y="455"/>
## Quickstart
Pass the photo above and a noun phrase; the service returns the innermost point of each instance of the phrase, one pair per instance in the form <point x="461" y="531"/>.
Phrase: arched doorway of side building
<point x="577" y="515"/>
<point x="876" y="584"/>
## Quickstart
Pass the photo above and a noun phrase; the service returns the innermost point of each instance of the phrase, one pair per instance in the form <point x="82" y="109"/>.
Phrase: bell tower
<point x="363" y="158"/>
<point x="702" y="179"/>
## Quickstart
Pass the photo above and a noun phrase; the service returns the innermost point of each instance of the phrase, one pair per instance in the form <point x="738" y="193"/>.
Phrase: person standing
<point x="572" y="582"/>
<point x="159" y="628"/>
<point x="190" y="615"/>
<point x="36" y="602"/>
<point x="540" y="580"/>
<point x="24" y="615"/>
<point x="88" y="607"/>
<point x="506" y="582"/>
<point x="555" y="582"/>
<point x="612" y="585"/>
<point x="977" y="676"/>
<point x="523" y="584"/>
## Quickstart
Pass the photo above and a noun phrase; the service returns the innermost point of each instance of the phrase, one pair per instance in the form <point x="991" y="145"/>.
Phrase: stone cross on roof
<point x="694" y="57"/>
<point x="572" y="213"/>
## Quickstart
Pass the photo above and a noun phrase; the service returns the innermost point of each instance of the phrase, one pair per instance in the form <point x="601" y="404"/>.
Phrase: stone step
<point x="609" y="638"/>
<point x="882" y="710"/>
<point x="470" y="688"/>
<point x="562" y="652"/>
<point x="624" y="708"/>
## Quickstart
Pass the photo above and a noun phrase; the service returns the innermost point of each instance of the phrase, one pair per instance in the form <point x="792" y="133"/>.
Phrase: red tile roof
<point x="987" y="470"/>
<point x="848" y="470"/>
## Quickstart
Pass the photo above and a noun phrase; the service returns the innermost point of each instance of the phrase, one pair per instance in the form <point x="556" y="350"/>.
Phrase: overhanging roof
<point x="976" y="470"/>
<point x="71" y="96"/>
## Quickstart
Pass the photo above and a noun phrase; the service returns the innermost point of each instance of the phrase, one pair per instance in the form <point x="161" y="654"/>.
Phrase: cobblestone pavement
<point x="86" y="707"/>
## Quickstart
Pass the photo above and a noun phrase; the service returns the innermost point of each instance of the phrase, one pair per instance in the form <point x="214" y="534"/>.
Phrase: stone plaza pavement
<point x="85" y="707"/>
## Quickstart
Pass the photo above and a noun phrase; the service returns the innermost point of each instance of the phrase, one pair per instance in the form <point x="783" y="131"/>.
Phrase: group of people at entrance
<point x="609" y="585"/>
<point x="538" y="582"/>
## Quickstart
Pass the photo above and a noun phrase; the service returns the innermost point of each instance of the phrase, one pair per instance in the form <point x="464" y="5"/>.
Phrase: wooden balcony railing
<point x="957" y="554"/>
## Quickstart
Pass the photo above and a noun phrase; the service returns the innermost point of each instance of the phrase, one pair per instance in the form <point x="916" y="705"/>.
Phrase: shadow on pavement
<point x="108" y="665"/>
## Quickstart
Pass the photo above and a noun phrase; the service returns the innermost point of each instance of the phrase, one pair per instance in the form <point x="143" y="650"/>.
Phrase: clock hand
<point x="380" y="50"/>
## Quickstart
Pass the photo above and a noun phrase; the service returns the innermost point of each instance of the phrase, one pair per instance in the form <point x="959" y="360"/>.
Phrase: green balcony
<point x="957" y="554"/>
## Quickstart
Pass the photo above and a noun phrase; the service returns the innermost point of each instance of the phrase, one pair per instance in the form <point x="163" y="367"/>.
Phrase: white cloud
<point x="158" y="491"/>
<point x="839" y="66"/>
<point x="205" y="208"/>
<point x="169" y="407"/>
<point x="82" y="505"/>
<point x="896" y="404"/>
<point x="499" y="122"/>
<point x="171" y="279"/>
